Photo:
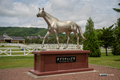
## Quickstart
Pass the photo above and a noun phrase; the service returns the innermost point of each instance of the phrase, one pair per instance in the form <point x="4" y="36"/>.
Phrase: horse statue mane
<point x="55" y="26"/>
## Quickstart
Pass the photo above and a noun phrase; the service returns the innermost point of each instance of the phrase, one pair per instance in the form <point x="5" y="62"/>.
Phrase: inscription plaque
<point x="65" y="59"/>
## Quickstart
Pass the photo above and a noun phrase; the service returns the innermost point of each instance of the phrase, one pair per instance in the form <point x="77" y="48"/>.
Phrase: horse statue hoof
<point x="43" y="49"/>
<point x="78" y="47"/>
<point x="64" y="48"/>
<point x="57" y="48"/>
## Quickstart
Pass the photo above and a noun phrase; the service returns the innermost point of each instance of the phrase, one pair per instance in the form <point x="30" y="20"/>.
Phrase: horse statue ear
<point x="43" y="9"/>
<point x="39" y="9"/>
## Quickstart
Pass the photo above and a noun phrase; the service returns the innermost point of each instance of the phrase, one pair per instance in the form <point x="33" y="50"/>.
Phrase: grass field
<point x="28" y="61"/>
<point x="110" y="60"/>
<point x="16" y="61"/>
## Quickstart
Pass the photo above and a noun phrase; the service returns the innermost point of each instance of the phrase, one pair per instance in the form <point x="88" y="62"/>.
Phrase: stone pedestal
<point x="60" y="61"/>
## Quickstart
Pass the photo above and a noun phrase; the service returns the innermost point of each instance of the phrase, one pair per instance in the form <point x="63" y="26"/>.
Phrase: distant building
<point x="9" y="39"/>
<point x="35" y="37"/>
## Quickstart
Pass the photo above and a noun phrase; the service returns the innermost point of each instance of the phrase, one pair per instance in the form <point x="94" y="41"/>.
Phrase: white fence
<point x="11" y="44"/>
<point x="46" y="46"/>
<point x="54" y="46"/>
<point x="16" y="51"/>
<point x="26" y="49"/>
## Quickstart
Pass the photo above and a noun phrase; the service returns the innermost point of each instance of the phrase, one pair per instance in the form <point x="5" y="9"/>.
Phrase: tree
<point x="107" y="38"/>
<point x="117" y="30"/>
<point x="117" y="10"/>
<point x="61" y="39"/>
<point x="52" y="40"/>
<point x="73" y="39"/>
<point x="116" y="45"/>
<point x="98" y="33"/>
<point x="91" y="43"/>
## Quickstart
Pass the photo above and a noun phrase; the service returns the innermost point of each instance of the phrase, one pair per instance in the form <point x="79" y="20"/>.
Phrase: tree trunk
<point x="106" y="51"/>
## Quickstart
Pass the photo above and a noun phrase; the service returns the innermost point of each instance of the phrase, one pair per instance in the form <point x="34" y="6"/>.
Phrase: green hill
<point x="23" y="31"/>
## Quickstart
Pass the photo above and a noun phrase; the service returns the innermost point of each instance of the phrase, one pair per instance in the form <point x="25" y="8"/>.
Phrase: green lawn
<point x="28" y="61"/>
<point x="110" y="60"/>
<point x="16" y="61"/>
<point x="9" y="47"/>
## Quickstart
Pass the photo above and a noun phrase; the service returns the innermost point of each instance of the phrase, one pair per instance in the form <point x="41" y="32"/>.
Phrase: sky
<point x="22" y="13"/>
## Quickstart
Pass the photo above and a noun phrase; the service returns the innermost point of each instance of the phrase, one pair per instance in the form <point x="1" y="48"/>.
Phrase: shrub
<point x="116" y="49"/>
<point x="2" y="45"/>
<point x="91" y="43"/>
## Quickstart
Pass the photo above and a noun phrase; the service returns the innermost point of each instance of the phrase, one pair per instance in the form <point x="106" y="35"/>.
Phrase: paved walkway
<point x="19" y="74"/>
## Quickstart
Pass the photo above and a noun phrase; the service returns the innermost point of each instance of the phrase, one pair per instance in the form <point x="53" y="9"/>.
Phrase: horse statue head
<point x="41" y="13"/>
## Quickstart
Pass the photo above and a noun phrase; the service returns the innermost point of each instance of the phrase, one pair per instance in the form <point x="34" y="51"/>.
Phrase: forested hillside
<point x="23" y="31"/>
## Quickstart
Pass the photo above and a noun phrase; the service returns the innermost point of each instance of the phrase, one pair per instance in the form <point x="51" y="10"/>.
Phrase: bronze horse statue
<point x="55" y="26"/>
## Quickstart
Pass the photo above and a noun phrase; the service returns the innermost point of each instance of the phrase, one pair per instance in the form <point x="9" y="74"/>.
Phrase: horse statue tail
<point x="80" y="32"/>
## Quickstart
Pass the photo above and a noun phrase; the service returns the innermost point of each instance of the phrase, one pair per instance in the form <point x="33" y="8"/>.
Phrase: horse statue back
<point x="55" y="26"/>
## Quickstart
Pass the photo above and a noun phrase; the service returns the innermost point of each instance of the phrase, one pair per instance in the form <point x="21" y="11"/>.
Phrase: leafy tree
<point x="117" y="10"/>
<point x="73" y="39"/>
<point x="117" y="30"/>
<point x="98" y="33"/>
<point x="107" y="38"/>
<point x="91" y="43"/>
<point x="61" y="39"/>
<point x="116" y="45"/>
<point x="52" y="40"/>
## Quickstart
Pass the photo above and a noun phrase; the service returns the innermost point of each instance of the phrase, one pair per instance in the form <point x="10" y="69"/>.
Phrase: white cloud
<point x="18" y="9"/>
<point x="23" y="12"/>
<point x="82" y="23"/>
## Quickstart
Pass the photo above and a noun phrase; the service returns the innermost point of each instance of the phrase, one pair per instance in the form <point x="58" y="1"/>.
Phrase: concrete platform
<point x="35" y="76"/>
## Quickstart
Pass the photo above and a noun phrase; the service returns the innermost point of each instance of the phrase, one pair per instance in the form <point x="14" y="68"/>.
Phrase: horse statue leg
<point x="47" y="34"/>
<point x="77" y="40"/>
<point x="57" y="38"/>
<point x="68" y="38"/>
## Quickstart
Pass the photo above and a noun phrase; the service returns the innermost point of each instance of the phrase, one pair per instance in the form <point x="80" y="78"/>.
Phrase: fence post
<point x="24" y="51"/>
<point x="10" y="52"/>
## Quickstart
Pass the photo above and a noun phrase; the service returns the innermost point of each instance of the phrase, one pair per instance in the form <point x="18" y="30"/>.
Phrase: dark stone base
<point x="46" y="62"/>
